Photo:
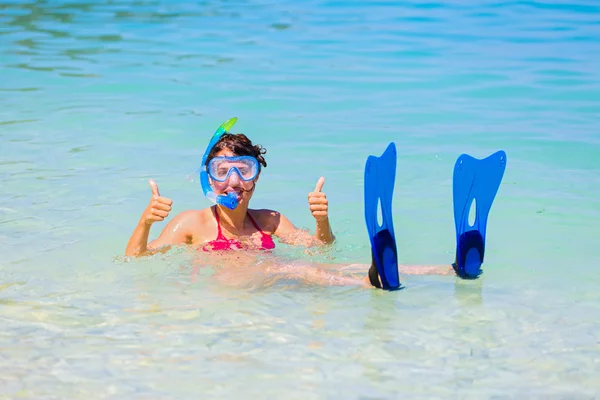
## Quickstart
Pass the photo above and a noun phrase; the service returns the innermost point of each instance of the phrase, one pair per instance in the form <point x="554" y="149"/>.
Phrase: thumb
<point x="154" y="187"/>
<point x="320" y="184"/>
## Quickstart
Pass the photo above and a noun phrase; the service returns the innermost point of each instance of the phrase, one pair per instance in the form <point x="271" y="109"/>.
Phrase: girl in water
<point x="234" y="165"/>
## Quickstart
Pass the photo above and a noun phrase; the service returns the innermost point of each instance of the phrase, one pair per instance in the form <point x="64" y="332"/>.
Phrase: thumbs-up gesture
<point x="317" y="201"/>
<point x="159" y="207"/>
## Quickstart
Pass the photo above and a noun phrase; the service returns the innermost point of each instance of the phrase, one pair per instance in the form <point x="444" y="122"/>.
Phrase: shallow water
<point x="97" y="97"/>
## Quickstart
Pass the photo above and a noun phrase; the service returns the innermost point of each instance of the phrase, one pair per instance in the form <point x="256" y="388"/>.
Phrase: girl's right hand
<point x="159" y="207"/>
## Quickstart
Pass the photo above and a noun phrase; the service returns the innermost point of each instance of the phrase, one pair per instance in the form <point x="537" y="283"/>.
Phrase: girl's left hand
<point x="317" y="202"/>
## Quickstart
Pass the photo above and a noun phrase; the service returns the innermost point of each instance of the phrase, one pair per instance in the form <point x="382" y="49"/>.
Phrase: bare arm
<point x="319" y="208"/>
<point x="157" y="210"/>
<point x="287" y="233"/>
<point x="175" y="233"/>
<point x="138" y="242"/>
<point x="323" y="232"/>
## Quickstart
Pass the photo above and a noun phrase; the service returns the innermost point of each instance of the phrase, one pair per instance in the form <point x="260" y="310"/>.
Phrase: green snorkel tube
<point x="230" y="201"/>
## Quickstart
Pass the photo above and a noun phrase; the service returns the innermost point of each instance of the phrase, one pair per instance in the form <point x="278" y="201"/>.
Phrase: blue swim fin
<point x="474" y="180"/>
<point x="380" y="176"/>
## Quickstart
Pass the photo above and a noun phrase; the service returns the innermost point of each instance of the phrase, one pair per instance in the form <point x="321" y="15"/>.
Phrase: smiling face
<point x="235" y="145"/>
<point x="232" y="145"/>
<point x="234" y="183"/>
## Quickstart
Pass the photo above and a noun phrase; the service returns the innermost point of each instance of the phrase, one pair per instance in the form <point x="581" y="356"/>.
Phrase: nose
<point x="234" y="178"/>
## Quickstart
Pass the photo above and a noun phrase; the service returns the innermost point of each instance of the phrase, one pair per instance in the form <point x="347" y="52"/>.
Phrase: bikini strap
<point x="267" y="240"/>
<point x="255" y="224"/>
<point x="219" y="233"/>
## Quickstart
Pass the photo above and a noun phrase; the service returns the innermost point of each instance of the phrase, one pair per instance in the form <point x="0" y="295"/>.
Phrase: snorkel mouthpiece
<point x="230" y="201"/>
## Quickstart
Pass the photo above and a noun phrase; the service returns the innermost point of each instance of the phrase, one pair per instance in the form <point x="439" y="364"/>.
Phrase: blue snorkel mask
<point x="230" y="201"/>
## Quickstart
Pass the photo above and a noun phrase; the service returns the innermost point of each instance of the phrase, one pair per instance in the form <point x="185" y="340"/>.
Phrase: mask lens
<point x="219" y="168"/>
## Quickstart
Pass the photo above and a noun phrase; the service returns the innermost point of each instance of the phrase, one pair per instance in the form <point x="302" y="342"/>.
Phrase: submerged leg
<point x="313" y="274"/>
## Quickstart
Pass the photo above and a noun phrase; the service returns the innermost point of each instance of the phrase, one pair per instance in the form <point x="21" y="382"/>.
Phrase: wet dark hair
<point x="240" y="145"/>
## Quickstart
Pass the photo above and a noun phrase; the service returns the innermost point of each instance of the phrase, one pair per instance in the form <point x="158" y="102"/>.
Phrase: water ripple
<point x="96" y="97"/>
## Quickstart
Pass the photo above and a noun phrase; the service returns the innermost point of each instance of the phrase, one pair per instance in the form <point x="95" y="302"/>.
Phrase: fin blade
<point x="380" y="175"/>
<point x="479" y="180"/>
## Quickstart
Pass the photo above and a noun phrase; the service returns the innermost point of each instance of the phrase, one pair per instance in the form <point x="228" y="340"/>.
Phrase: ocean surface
<point x="97" y="97"/>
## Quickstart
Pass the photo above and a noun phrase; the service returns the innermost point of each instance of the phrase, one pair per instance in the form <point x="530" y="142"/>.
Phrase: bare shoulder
<point x="268" y="220"/>
<point x="188" y="226"/>
<point x="191" y="219"/>
<point x="195" y="226"/>
<point x="187" y="222"/>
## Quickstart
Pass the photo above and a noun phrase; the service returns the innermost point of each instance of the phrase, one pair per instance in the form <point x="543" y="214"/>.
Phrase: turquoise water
<point x="97" y="97"/>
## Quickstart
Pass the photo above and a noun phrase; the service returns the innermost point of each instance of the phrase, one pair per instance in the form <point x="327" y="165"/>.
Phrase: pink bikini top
<point x="222" y="243"/>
